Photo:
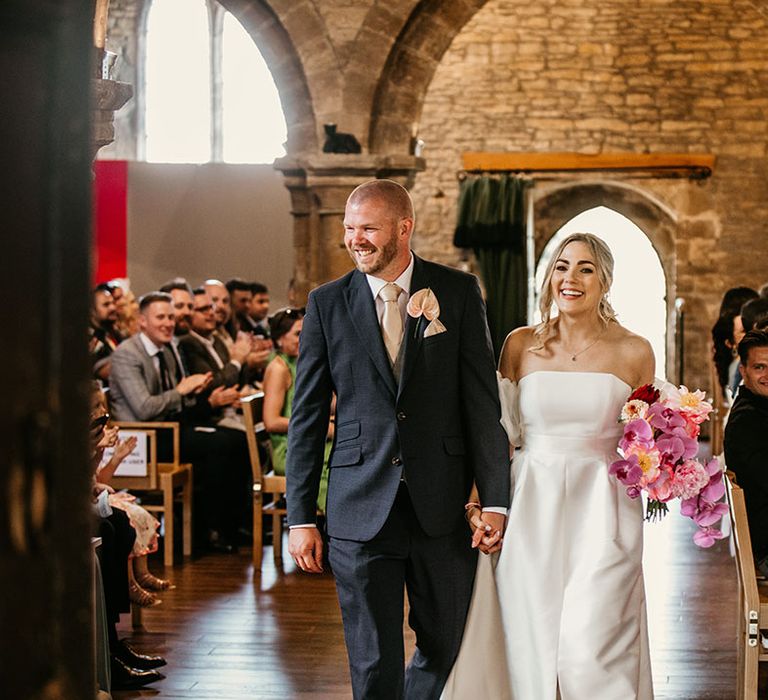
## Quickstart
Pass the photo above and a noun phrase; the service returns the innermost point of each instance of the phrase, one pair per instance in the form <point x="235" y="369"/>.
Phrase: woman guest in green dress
<point x="279" y="382"/>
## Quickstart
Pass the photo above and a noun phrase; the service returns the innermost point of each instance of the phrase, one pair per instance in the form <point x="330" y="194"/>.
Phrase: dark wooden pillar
<point x="45" y="561"/>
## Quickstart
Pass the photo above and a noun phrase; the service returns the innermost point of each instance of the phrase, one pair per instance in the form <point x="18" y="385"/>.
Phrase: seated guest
<point x="129" y="669"/>
<point x="222" y="310"/>
<point x="754" y="314"/>
<point x="259" y="312"/>
<point x="142" y="584"/>
<point x="104" y="334"/>
<point x="127" y="308"/>
<point x="203" y="349"/>
<point x="726" y="334"/>
<point x="279" y="384"/>
<point x="241" y="297"/>
<point x="745" y="444"/>
<point x="145" y="387"/>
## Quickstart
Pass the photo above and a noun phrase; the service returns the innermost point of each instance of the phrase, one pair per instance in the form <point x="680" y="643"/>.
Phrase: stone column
<point x="319" y="185"/>
<point x="107" y="96"/>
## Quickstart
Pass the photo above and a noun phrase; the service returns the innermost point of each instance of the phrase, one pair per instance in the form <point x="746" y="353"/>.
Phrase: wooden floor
<point x="229" y="636"/>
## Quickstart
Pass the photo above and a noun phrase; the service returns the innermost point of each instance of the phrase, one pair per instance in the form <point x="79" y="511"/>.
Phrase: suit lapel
<point x="414" y="327"/>
<point x="362" y="311"/>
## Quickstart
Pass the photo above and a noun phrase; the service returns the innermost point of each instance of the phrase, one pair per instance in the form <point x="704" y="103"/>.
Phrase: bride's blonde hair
<point x="603" y="258"/>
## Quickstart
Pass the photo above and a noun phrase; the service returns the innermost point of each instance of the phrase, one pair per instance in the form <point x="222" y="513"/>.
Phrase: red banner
<point x="110" y="220"/>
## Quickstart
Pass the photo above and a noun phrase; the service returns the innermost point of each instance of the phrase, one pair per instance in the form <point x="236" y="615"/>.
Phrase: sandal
<point x="153" y="583"/>
<point x="142" y="598"/>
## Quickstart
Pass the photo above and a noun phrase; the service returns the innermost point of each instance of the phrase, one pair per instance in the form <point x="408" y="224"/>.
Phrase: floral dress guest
<point x="279" y="383"/>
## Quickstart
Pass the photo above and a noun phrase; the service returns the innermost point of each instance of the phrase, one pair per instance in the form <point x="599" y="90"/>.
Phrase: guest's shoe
<point x="134" y="659"/>
<point x="153" y="583"/>
<point x="127" y="678"/>
<point x="138" y="596"/>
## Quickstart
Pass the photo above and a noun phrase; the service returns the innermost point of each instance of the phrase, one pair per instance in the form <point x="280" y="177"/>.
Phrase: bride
<point x="567" y="617"/>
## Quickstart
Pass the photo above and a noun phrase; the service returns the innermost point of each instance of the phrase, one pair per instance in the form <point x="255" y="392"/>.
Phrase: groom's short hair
<point x="387" y="191"/>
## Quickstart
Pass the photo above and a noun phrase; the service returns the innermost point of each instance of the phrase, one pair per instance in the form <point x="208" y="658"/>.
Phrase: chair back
<point x="720" y="409"/>
<point x="144" y="475"/>
<point x="743" y="544"/>
<point x="255" y="432"/>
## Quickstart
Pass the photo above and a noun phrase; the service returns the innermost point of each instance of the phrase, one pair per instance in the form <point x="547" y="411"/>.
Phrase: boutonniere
<point x="424" y="303"/>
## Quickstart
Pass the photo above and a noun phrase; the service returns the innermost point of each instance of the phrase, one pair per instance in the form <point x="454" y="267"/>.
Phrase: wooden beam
<point x="697" y="163"/>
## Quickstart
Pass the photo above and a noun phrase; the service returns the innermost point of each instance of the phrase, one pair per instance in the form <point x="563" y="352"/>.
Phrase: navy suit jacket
<point x="438" y="427"/>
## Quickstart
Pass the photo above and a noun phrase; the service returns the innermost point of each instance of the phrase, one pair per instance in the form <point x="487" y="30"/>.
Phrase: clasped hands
<point x="487" y="528"/>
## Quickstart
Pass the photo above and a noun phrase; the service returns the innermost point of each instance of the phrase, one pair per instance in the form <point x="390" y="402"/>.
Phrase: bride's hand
<point x="485" y="537"/>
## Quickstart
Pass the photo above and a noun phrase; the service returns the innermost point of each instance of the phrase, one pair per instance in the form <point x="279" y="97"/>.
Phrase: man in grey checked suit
<point x="148" y="385"/>
<point x="417" y="422"/>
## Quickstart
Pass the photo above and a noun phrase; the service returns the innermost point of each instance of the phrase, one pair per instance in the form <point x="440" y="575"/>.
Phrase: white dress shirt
<point x="153" y="351"/>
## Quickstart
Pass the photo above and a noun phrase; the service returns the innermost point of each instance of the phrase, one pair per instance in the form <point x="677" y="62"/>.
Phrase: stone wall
<point x="591" y="76"/>
<point x="596" y="76"/>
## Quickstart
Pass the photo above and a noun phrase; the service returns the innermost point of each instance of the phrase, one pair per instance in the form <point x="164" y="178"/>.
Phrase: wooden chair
<point x="717" y="422"/>
<point x="172" y="481"/>
<point x="264" y="482"/>
<point x="753" y="598"/>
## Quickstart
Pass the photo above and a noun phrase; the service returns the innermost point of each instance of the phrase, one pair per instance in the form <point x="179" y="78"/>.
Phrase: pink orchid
<point x="703" y="513"/>
<point x="665" y="419"/>
<point x="676" y="445"/>
<point x="636" y="432"/>
<point x="707" y="536"/>
<point x="715" y="490"/>
<point x="627" y="471"/>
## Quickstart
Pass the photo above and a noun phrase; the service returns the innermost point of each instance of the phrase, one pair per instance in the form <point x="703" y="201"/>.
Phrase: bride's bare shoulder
<point x="636" y="354"/>
<point x="516" y="343"/>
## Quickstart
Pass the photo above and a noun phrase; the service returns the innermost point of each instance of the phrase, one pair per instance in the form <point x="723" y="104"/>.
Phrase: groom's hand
<point x="305" y="545"/>
<point x="489" y="531"/>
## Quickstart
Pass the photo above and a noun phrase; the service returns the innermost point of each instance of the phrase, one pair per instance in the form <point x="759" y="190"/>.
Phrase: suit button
<point x="400" y="415"/>
<point x="396" y="461"/>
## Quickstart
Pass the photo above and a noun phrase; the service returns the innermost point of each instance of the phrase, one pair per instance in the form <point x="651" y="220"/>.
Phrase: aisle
<point x="228" y="637"/>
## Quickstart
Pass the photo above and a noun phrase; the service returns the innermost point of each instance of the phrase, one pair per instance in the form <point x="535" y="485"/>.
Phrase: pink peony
<point x="690" y="478"/>
<point x="661" y="489"/>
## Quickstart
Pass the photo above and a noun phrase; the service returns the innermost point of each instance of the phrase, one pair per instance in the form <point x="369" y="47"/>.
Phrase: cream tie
<point x="391" y="321"/>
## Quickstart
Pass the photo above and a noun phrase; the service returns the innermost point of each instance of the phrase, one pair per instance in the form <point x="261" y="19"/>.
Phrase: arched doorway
<point x="639" y="286"/>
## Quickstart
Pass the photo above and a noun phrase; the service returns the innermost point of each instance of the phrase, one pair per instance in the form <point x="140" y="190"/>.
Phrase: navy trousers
<point x="371" y="577"/>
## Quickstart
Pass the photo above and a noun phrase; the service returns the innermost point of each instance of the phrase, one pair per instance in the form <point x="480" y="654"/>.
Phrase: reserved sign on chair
<point x="136" y="463"/>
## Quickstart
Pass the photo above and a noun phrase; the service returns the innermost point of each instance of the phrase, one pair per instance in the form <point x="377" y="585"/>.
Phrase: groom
<point x="417" y="421"/>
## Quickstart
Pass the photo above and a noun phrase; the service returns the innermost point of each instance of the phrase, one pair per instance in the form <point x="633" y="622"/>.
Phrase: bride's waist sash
<point x="578" y="446"/>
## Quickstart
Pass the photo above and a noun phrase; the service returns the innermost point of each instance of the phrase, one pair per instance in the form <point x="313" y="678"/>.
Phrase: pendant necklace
<point x="576" y="354"/>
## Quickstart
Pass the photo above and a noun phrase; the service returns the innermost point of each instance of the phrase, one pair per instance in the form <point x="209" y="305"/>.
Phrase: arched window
<point x="209" y="93"/>
<point x="639" y="290"/>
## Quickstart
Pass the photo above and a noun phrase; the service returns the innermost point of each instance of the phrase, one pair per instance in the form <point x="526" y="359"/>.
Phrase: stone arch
<point x="557" y="205"/>
<point x="409" y="69"/>
<point x="284" y="58"/>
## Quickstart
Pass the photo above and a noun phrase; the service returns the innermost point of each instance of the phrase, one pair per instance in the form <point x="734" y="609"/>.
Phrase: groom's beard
<point x="378" y="260"/>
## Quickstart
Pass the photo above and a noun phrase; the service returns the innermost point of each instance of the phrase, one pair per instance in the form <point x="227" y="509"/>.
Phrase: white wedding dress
<point x="560" y="612"/>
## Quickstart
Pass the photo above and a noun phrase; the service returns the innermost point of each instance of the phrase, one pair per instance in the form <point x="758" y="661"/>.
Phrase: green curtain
<point x="491" y="221"/>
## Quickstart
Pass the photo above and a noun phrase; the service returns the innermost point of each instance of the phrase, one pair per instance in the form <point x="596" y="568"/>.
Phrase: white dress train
<point x="560" y="612"/>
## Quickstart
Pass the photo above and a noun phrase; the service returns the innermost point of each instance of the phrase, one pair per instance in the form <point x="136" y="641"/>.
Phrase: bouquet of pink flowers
<point x="659" y="446"/>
